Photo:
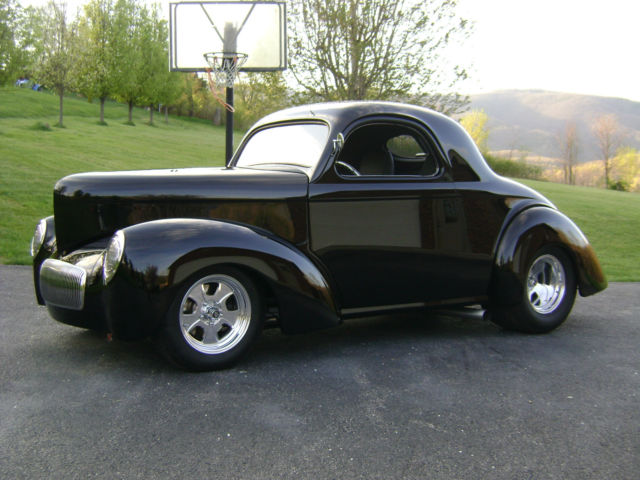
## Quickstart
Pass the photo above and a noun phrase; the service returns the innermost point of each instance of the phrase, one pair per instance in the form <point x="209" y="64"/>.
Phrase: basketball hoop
<point x="225" y="66"/>
<point x="222" y="72"/>
<point x="206" y="36"/>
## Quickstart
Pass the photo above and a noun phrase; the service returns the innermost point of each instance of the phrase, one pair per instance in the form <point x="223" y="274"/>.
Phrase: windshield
<point x="299" y="144"/>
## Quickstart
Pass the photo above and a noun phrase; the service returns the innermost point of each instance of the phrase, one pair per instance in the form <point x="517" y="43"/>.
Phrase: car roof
<point x="339" y="115"/>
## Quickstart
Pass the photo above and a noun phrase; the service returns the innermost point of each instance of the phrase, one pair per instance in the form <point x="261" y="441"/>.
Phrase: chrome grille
<point x="62" y="284"/>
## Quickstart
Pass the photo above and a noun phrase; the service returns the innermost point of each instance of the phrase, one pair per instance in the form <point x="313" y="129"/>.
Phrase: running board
<point x="463" y="312"/>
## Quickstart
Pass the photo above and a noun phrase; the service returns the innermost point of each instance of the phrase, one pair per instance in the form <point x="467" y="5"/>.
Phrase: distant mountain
<point x="533" y="120"/>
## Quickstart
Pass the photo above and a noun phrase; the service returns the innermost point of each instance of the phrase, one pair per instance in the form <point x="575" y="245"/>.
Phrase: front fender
<point x="48" y="250"/>
<point x="525" y="235"/>
<point x="160" y="255"/>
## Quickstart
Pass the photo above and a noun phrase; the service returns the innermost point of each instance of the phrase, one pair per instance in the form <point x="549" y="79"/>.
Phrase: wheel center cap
<point x="210" y="312"/>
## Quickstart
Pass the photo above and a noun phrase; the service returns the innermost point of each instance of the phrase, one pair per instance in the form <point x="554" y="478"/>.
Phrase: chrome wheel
<point x="215" y="314"/>
<point x="546" y="284"/>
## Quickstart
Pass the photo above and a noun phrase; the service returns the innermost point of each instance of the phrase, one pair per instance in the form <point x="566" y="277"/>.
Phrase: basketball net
<point x="222" y="72"/>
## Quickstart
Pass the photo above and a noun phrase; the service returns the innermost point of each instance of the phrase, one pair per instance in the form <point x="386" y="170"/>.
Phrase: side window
<point x="386" y="149"/>
<point x="410" y="158"/>
<point x="404" y="146"/>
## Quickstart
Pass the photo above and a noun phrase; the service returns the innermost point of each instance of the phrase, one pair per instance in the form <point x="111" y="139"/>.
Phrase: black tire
<point x="548" y="294"/>
<point x="213" y="321"/>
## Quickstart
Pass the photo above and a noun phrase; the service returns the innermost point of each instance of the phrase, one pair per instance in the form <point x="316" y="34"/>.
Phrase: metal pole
<point x="229" y="137"/>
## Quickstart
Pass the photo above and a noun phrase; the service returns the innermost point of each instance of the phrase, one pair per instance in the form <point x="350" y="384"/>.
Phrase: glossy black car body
<point x="370" y="225"/>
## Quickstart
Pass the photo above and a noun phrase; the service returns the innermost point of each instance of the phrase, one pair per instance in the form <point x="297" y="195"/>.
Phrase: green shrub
<point x="42" y="126"/>
<point x="618" y="185"/>
<point x="514" y="169"/>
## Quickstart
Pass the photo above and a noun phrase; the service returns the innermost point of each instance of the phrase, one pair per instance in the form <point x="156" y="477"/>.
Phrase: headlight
<point x="38" y="237"/>
<point x="112" y="256"/>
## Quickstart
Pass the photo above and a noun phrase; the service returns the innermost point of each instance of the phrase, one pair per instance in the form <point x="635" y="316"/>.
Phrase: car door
<point x="387" y="221"/>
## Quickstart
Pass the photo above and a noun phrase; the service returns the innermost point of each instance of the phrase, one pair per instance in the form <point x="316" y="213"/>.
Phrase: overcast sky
<point x="580" y="46"/>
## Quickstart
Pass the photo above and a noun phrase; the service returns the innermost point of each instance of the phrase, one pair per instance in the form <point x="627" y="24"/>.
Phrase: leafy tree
<point x="475" y="123"/>
<point x="377" y="49"/>
<point x="94" y="68"/>
<point x="158" y="84"/>
<point x="21" y="40"/>
<point x="607" y="132"/>
<point x="170" y="91"/>
<point x="257" y="95"/>
<point x="193" y="97"/>
<point x="625" y="169"/>
<point x="569" y="144"/>
<point x="29" y="38"/>
<point x="128" y="53"/>
<point x="57" y="51"/>
<point x="8" y="23"/>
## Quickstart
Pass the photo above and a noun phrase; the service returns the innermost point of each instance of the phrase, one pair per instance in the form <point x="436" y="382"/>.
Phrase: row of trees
<point x="338" y="50"/>
<point x="113" y="49"/>
<point x="620" y="164"/>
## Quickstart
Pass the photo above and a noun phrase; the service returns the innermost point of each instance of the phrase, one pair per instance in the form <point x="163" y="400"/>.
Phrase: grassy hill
<point x="33" y="158"/>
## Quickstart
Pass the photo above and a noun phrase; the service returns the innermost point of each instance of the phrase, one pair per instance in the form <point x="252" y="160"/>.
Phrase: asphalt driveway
<point x="393" y="397"/>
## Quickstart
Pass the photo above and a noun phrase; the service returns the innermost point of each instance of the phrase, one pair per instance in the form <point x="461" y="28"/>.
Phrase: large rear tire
<point x="213" y="320"/>
<point x="548" y="294"/>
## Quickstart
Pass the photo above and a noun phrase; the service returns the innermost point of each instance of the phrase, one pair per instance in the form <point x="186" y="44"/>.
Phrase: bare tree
<point x="607" y="132"/>
<point x="377" y="49"/>
<point x="569" y="145"/>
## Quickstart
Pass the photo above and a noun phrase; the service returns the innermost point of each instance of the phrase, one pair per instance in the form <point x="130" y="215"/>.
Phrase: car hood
<point x="91" y="206"/>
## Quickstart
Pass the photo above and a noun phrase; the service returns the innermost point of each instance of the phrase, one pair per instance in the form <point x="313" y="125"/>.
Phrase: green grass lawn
<point x="609" y="219"/>
<point x="32" y="159"/>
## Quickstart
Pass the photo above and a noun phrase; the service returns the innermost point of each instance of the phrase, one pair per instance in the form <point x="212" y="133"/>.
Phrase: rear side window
<point x="387" y="149"/>
<point x="404" y="146"/>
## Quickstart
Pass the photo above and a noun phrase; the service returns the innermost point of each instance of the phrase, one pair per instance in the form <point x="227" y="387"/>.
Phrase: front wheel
<point x="549" y="291"/>
<point x="214" y="319"/>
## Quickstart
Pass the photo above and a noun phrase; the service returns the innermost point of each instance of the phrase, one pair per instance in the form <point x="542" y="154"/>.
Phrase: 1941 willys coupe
<point x="325" y="212"/>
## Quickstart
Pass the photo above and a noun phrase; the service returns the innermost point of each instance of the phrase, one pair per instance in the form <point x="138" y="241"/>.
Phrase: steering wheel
<point x="350" y="168"/>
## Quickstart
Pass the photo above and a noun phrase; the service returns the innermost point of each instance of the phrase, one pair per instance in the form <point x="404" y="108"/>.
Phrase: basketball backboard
<point x="257" y="29"/>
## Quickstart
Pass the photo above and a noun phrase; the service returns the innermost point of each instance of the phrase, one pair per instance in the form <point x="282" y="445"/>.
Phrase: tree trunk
<point x="217" y="117"/>
<point x="130" y="103"/>
<point x="166" y="114"/>
<point x="150" y="114"/>
<point x="102" y="99"/>
<point x="61" y="95"/>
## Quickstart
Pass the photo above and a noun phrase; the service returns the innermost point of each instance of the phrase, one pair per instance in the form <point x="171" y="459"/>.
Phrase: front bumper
<point x="72" y="290"/>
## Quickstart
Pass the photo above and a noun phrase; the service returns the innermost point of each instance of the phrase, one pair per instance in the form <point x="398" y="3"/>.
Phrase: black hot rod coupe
<point x="325" y="212"/>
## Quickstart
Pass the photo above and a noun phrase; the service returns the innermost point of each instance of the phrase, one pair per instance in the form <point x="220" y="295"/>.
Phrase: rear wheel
<point x="213" y="320"/>
<point x="548" y="294"/>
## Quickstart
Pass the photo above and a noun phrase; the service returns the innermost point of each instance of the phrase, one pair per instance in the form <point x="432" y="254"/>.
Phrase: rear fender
<point x="529" y="231"/>
<point x="160" y="255"/>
